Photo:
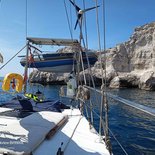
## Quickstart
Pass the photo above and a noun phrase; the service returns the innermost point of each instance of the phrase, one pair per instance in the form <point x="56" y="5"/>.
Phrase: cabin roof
<point x="51" y="41"/>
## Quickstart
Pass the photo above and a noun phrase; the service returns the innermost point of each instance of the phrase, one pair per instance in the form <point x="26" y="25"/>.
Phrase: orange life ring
<point x="7" y="81"/>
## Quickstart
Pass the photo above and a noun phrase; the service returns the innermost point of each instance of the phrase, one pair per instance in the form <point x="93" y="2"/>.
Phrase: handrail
<point x="146" y="109"/>
<point x="143" y="108"/>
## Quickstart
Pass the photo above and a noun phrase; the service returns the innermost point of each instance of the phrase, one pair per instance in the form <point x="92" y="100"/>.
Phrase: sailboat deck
<point x="74" y="133"/>
<point x="76" y="137"/>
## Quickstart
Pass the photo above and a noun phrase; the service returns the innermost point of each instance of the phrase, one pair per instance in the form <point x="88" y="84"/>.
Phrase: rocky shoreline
<point x="130" y="64"/>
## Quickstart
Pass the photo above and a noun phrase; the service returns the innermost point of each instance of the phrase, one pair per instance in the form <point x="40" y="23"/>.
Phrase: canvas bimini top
<point x="52" y="41"/>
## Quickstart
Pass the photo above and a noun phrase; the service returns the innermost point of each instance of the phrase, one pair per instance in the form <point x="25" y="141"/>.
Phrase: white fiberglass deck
<point x="76" y="137"/>
<point x="74" y="134"/>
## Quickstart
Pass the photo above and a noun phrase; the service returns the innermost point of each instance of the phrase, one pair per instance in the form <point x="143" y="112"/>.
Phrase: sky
<point x="47" y="19"/>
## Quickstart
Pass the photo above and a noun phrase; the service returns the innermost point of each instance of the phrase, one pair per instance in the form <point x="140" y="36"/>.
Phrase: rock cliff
<point x="130" y="64"/>
<point x="134" y="60"/>
<point x="48" y="78"/>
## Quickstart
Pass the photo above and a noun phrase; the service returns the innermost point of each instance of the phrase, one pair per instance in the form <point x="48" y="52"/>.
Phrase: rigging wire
<point x="104" y="40"/>
<point x="12" y="57"/>
<point x="103" y="94"/>
<point x="118" y="142"/>
<point x="86" y="46"/>
<point x="69" y="25"/>
<point x="82" y="40"/>
<point x="85" y="24"/>
<point x="70" y="138"/>
<point x="27" y="50"/>
<point x="89" y="68"/>
<point x="85" y="82"/>
<point x="80" y="26"/>
<point x="99" y="44"/>
<point x="26" y="19"/>
<point x="105" y="91"/>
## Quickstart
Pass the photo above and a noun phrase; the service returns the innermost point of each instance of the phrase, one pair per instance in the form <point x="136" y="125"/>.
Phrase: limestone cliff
<point x="135" y="59"/>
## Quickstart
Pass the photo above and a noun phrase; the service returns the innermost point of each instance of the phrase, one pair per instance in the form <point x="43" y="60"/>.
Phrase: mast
<point x="27" y="51"/>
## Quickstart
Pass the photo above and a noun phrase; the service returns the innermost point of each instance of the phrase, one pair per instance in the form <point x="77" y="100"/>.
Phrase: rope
<point x="12" y="58"/>
<point x="118" y="142"/>
<point x="72" y="134"/>
<point x="85" y="82"/>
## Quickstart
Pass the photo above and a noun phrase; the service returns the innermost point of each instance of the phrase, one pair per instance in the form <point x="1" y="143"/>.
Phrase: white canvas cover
<point x="23" y="136"/>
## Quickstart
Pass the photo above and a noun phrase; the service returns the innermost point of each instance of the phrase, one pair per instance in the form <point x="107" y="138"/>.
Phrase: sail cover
<point x="23" y="136"/>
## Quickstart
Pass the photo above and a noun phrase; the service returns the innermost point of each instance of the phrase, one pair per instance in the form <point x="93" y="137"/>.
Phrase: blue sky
<point x="47" y="18"/>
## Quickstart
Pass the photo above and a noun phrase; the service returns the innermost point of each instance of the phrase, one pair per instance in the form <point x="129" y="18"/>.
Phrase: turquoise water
<point x="135" y="130"/>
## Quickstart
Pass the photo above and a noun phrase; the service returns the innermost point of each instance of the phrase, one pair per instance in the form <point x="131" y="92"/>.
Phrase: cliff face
<point x="141" y="48"/>
<point x="131" y="64"/>
<point x="48" y="78"/>
<point x="137" y="54"/>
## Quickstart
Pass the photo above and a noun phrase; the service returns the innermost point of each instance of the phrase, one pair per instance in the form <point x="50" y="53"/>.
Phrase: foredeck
<point x="76" y="137"/>
<point x="75" y="134"/>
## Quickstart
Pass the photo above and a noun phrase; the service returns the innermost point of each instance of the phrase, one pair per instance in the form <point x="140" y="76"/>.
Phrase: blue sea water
<point x="134" y="129"/>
